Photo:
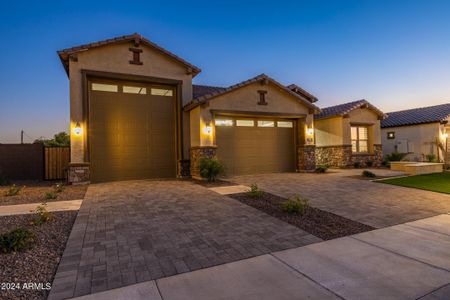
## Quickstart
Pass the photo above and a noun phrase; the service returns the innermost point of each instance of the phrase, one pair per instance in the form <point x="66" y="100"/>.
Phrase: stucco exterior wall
<point x="418" y="140"/>
<point x="329" y="132"/>
<point x="363" y="116"/>
<point x="246" y="99"/>
<point x="115" y="59"/>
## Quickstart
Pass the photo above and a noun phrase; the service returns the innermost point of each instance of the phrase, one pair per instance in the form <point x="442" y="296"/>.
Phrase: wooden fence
<point x="22" y="161"/>
<point x="56" y="160"/>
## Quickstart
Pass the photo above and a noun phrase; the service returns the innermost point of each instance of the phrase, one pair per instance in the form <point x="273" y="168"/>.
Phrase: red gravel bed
<point x="320" y="223"/>
<point x="34" y="192"/>
<point x="36" y="265"/>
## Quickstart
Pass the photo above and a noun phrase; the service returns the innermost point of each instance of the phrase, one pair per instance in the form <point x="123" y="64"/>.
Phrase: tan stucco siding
<point x="336" y="131"/>
<point x="364" y="116"/>
<point x="419" y="140"/>
<point x="329" y="132"/>
<point x="244" y="99"/>
<point x="115" y="59"/>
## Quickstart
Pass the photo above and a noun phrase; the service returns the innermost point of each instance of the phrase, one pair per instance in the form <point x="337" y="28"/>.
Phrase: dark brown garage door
<point x="131" y="131"/>
<point x="252" y="146"/>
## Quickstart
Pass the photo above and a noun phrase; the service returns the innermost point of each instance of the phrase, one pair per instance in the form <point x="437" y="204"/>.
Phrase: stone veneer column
<point x="197" y="153"/>
<point x="306" y="158"/>
<point x="78" y="173"/>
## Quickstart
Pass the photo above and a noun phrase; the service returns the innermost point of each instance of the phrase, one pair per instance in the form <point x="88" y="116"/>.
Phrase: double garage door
<point x="252" y="146"/>
<point x="132" y="131"/>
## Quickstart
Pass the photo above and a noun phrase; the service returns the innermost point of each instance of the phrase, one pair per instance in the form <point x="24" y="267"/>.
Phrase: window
<point x="105" y="87"/>
<point x="245" y="123"/>
<point x="223" y="122"/>
<point x="391" y="135"/>
<point x="162" y="92"/>
<point x="134" y="90"/>
<point x="266" y="124"/>
<point x="285" y="124"/>
<point x="360" y="139"/>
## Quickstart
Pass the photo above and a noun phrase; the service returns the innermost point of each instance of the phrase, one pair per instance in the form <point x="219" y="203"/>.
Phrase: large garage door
<point x="251" y="146"/>
<point x="131" y="131"/>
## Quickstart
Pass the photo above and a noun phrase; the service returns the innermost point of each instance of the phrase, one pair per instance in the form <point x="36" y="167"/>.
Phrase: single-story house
<point x="349" y="133"/>
<point x="417" y="132"/>
<point x="134" y="113"/>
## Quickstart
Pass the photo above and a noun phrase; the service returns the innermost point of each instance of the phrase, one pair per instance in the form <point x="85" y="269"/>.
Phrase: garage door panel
<point x="132" y="136"/>
<point x="250" y="150"/>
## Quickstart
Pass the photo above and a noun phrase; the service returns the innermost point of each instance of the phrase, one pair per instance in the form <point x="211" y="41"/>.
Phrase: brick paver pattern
<point x="375" y="204"/>
<point x="134" y="231"/>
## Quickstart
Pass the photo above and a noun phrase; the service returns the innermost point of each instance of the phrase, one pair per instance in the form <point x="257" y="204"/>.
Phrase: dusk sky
<point x="396" y="54"/>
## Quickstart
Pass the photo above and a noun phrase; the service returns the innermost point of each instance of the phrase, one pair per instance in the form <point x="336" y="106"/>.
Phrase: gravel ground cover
<point x="34" y="192"/>
<point x="322" y="224"/>
<point x="20" y="271"/>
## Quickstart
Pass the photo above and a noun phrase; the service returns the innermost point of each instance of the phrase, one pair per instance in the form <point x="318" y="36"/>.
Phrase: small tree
<point x="61" y="139"/>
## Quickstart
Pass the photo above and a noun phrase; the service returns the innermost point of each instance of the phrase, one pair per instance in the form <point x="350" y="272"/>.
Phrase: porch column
<point x="306" y="149"/>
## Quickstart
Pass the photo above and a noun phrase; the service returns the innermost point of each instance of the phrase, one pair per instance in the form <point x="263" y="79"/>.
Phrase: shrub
<point x="13" y="190"/>
<point x="42" y="215"/>
<point x="369" y="163"/>
<point x="321" y="168"/>
<point x="254" y="191"/>
<point x="16" y="240"/>
<point x="395" y="156"/>
<point x="51" y="195"/>
<point x="59" y="187"/>
<point x="430" y="157"/>
<point x="366" y="173"/>
<point x="210" y="168"/>
<point x="357" y="164"/>
<point x="295" y="205"/>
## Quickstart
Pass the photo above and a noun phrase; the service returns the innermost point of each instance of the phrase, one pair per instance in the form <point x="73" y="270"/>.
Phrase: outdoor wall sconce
<point x="77" y="130"/>
<point x="207" y="130"/>
<point x="445" y="135"/>
<point x="310" y="131"/>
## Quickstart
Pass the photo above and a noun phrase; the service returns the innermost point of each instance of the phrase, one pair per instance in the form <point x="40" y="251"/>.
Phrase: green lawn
<point x="437" y="182"/>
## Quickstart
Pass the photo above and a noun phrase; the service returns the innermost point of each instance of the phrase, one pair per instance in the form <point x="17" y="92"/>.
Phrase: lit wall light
<point x="207" y="129"/>
<point x="310" y="131"/>
<point x="445" y="135"/>
<point x="77" y="130"/>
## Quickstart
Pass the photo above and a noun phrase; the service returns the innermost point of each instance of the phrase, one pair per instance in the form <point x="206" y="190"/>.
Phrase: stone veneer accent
<point x="306" y="158"/>
<point x="197" y="153"/>
<point x="78" y="173"/>
<point x="184" y="168"/>
<point x="342" y="156"/>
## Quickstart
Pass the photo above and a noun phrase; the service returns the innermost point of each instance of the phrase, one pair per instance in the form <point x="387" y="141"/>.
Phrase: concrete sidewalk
<point x="409" y="261"/>
<point x="20" y="209"/>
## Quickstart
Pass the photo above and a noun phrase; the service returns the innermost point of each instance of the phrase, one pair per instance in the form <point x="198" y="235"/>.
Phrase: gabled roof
<point x="216" y="91"/>
<point x="343" y="109"/>
<point x="202" y="90"/>
<point x="422" y="115"/>
<point x="135" y="37"/>
<point x="295" y="88"/>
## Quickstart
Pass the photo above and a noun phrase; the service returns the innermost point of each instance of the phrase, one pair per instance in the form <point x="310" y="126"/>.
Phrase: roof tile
<point x="422" y="115"/>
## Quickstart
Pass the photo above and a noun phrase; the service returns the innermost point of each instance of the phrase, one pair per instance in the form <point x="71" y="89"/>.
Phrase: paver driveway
<point x="134" y="231"/>
<point x="371" y="203"/>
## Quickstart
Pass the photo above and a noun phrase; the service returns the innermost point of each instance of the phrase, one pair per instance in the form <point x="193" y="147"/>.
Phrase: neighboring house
<point x="417" y="132"/>
<point x="349" y="133"/>
<point x="135" y="113"/>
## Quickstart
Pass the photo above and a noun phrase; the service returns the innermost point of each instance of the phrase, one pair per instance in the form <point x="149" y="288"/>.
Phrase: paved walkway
<point x="372" y="203"/>
<point x="8" y="210"/>
<point x="134" y="231"/>
<point x="409" y="261"/>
